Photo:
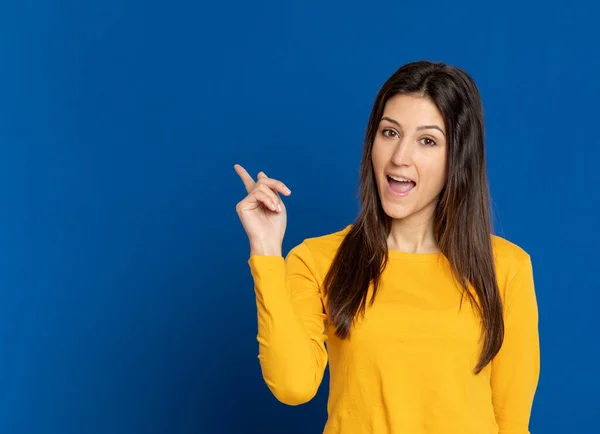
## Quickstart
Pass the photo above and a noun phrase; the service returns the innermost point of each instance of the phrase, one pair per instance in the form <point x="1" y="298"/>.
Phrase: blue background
<point x="126" y="302"/>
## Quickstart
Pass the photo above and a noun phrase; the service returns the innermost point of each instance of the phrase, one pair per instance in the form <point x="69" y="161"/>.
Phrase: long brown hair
<point x="462" y="224"/>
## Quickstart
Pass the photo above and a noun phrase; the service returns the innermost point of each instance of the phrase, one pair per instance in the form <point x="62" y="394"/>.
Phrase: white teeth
<point x="400" y="179"/>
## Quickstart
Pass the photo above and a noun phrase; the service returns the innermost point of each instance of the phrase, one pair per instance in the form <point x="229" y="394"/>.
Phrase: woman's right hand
<point x="262" y="212"/>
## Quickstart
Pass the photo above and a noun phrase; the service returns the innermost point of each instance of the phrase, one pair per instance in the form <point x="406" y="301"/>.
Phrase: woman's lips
<point x="398" y="188"/>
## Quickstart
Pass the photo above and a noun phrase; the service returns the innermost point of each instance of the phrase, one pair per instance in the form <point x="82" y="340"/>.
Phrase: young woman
<point x="407" y="354"/>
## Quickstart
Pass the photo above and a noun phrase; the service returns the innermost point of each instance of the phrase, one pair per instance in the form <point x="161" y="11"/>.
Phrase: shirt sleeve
<point x="291" y="324"/>
<point x="515" y="369"/>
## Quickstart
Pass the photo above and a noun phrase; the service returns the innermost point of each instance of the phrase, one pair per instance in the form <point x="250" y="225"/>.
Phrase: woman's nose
<point x="402" y="155"/>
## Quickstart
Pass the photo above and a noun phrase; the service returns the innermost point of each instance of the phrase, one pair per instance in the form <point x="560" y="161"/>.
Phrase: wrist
<point x="265" y="249"/>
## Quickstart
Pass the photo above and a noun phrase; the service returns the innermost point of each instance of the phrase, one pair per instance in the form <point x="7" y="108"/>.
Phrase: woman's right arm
<point x="291" y="319"/>
<point x="291" y="324"/>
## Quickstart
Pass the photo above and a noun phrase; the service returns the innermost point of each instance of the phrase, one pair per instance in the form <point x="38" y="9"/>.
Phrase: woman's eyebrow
<point x="430" y="127"/>
<point x="422" y="127"/>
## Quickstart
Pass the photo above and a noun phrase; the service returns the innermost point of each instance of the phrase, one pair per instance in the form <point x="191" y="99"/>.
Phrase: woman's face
<point x="410" y="143"/>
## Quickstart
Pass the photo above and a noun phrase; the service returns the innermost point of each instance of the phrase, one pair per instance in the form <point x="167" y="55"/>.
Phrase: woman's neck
<point x="408" y="235"/>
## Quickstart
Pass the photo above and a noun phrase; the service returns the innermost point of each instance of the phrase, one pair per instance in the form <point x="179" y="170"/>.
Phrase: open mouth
<point x="400" y="186"/>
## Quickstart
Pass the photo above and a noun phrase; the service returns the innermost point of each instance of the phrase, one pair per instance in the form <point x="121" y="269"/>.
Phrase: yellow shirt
<point x="408" y="365"/>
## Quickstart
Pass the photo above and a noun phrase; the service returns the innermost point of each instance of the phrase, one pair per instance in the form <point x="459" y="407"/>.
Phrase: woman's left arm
<point x="516" y="368"/>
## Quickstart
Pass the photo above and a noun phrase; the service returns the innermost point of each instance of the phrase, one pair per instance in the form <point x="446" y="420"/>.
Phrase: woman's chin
<point x="397" y="212"/>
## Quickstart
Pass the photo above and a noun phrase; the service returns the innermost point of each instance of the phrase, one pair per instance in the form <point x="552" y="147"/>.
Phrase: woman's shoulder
<point x="328" y="240"/>
<point x="509" y="257"/>
<point x="319" y="250"/>
<point x="505" y="250"/>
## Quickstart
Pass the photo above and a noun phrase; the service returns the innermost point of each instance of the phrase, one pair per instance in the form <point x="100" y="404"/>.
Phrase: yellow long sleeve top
<point x="408" y="365"/>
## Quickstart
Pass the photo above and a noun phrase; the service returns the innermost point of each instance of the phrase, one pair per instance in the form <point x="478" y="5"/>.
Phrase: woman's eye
<point x="428" y="142"/>
<point x="389" y="133"/>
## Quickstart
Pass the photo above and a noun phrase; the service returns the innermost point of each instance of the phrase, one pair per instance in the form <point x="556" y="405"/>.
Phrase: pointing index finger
<point x="245" y="176"/>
